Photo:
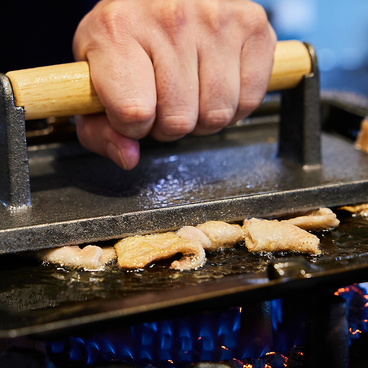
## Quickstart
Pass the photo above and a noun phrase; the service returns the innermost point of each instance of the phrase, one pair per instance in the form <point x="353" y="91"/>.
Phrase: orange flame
<point x="354" y="332"/>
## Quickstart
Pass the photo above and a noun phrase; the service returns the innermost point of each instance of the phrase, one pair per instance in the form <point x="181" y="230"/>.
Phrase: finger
<point x="219" y="86"/>
<point x="123" y="77"/>
<point x="177" y="91"/>
<point x="256" y="67"/>
<point x="95" y="134"/>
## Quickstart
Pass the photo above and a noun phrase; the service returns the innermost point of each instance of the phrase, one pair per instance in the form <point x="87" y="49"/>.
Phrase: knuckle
<point x="258" y="22"/>
<point x="110" y="20"/>
<point x="217" y="119"/>
<point x="215" y="16"/>
<point x="108" y="14"/>
<point x="249" y="104"/>
<point x="172" y="17"/>
<point x="109" y="23"/>
<point x="132" y="114"/>
<point x="176" y="126"/>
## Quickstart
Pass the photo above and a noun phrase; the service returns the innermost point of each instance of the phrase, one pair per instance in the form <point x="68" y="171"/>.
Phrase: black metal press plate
<point x="78" y="197"/>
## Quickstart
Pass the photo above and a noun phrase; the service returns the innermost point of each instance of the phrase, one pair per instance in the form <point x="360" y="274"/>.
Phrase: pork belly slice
<point x="361" y="142"/>
<point x="138" y="251"/>
<point x="192" y="233"/>
<point x="89" y="258"/>
<point x="359" y="209"/>
<point x="274" y="236"/>
<point x="221" y="234"/>
<point x="320" y="219"/>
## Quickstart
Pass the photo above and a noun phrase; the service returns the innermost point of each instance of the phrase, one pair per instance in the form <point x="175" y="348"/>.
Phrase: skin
<point x="168" y="68"/>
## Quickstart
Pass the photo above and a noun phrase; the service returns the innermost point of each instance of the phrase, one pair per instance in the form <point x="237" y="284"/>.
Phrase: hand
<point x="169" y="68"/>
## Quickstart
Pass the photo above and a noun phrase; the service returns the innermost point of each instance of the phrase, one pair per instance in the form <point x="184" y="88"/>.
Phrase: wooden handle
<point x="67" y="89"/>
<point x="291" y="62"/>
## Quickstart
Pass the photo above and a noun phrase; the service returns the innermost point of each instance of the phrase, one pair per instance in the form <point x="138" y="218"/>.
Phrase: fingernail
<point x="115" y="154"/>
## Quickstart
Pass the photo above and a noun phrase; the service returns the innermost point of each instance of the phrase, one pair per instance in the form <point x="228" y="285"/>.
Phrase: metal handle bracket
<point x="300" y="124"/>
<point x="15" y="191"/>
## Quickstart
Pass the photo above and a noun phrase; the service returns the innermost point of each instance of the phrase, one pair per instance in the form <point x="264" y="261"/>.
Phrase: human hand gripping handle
<point x="67" y="89"/>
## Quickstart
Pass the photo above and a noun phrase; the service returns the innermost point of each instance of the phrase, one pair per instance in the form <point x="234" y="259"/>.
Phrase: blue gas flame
<point x="211" y="336"/>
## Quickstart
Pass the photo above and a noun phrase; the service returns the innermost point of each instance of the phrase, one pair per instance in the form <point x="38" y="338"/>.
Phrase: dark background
<point x="38" y="33"/>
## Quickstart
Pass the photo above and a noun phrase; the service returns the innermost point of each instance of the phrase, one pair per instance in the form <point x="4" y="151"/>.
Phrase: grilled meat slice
<point x="359" y="209"/>
<point x="274" y="236"/>
<point x="194" y="234"/>
<point x="138" y="251"/>
<point x="361" y="142"/>
<point x="320" y="219"/>
<point x="89" y="258"/>
<point x="221" y="234"/>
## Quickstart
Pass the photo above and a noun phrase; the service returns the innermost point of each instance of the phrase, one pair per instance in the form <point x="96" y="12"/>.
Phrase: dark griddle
<point x="228" y="176"/>
<point x="47" y="301"/>
<point x="66" y="195"/>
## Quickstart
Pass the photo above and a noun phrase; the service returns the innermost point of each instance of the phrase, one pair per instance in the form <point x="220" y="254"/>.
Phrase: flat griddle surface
<point x="78" y="197"/>
<point x="46" y="300"/>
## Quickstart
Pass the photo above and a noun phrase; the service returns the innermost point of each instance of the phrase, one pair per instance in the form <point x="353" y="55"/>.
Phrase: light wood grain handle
<point x="67" y="89"/>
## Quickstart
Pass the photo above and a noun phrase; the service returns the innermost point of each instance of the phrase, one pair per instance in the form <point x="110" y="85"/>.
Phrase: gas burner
<point x="272" y="334"/>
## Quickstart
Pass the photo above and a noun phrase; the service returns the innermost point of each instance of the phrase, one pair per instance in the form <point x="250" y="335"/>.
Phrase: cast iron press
<point x="54" y="196"/>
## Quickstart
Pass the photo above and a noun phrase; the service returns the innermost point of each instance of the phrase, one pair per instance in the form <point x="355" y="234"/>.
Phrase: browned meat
<point x="194" y="234"/>
<point x="138" y="251"/>
<point x="361" y="142"/>
<point x="221" y="234"/>
<point x="273" y="236"/>
<point x="323" y="218"/>
<point x="191" y="242"/>
<point x="89" y="258"/>
<point x="359" y="209"/>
